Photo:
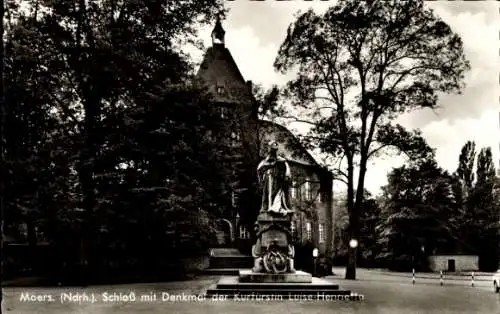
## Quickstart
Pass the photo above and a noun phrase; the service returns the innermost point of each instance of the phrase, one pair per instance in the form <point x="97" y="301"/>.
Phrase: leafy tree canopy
<point x="361" y="64"/>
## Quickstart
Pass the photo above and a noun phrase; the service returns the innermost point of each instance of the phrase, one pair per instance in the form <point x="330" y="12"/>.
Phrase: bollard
<point x="473" y="279"/>
<point x="441" y="277"/>
<point x="413" y="276"/>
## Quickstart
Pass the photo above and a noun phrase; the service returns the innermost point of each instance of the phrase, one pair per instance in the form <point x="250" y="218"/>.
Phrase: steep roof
<point x="220" y="74"/>
<point x="289" y="146"/>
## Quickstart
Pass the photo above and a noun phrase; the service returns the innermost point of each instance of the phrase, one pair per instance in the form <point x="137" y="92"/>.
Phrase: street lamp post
<point x="422" y="259"/>
<point x="354" y="244"/>
<point x="315" y="257"/>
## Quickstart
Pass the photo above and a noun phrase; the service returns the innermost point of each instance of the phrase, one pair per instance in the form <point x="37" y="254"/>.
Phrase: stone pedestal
<point x="273" y="275"/>
<point x="272" y="228"/>
<point x="273" y="251"/>
<point x="246" y="275"/>
<point x="317" y="289"/>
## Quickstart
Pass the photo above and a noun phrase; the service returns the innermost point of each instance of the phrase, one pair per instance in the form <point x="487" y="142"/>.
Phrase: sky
<point x="256" y="29"/>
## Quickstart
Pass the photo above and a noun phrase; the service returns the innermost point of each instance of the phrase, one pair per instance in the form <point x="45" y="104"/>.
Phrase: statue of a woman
<point x="274" y="176"/>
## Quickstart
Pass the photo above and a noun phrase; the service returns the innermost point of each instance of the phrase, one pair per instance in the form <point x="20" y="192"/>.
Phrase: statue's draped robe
<point x="274" y="174"/>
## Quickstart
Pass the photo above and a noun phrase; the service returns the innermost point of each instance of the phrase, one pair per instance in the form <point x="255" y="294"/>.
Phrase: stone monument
<point x="273" y="252"/>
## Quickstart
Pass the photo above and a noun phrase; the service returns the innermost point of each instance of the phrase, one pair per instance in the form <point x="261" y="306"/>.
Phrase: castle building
<point x="311" y="194"/>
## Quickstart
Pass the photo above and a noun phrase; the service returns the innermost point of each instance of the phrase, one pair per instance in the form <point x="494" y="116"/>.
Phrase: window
<point x="220" y="90"/>
<point x="235" y="138"/>
<point x="244" y="234"/>
<point x="308" y="231"/>
<point x="321" y="233"/>
<point x="293" y="228"/>
<point x="234" y="199"/>
<point x="23" y="229"/>
<point x="293" y="190"/>
<point x="235" y="135"/>
<point x="223" y="112"/>
<point x="307" y="190"/>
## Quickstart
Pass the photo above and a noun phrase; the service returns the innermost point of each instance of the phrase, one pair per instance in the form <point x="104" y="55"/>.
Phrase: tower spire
<point x="218" y="32"/>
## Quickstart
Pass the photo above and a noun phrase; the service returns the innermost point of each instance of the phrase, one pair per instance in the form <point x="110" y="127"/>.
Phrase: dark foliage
<point x="107" y="148"/>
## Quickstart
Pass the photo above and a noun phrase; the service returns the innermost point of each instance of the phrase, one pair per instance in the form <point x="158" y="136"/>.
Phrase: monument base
<point x="246" y="275"/>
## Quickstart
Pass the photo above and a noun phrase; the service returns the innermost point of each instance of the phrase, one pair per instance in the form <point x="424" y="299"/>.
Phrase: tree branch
<point x="326" y="107"/>
<point x="340" y="105"/>
<point x="341" y="180"/>
<point x="295" y="119"/>
<point x="331" y="67"/>
<point x="340" y="172"/>
<point x="376" y="150"/>
<point x="327" y="99"/>
<point x="404" y="74"/>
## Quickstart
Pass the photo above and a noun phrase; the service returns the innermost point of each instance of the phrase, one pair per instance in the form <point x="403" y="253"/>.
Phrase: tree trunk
<point x="352" y="252"/>
<point x="3" y="174"/>
<point x="354" y="207"/>
<point x="350" y="272"/>
<point x="329" y="232"/>
<point x="92" y="108"/>
<point x="86" y="178"/>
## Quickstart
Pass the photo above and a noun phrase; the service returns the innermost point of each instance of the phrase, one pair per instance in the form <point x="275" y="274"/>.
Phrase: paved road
<point x="383" y="293"/>
<point x="482" y="282"/>
<point x="478" y="276"/>
<point x="386" y="293"/>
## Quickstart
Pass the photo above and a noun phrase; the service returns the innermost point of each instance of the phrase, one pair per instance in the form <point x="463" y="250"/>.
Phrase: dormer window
<point x="220" y="90"/>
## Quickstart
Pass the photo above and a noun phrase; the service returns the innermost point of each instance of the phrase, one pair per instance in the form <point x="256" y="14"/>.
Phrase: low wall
<point x="462" y="262"/>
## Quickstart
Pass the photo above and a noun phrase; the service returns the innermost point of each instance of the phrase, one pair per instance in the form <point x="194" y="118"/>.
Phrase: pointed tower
<point x="219" y="72"/>
<point x="218" y="33"/>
